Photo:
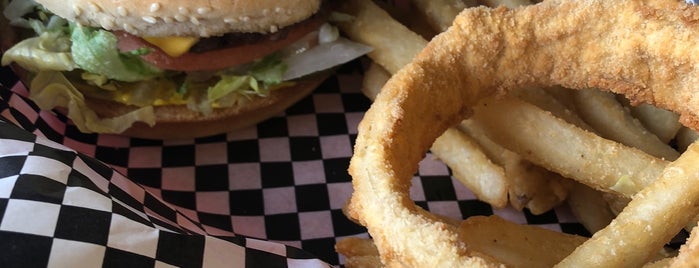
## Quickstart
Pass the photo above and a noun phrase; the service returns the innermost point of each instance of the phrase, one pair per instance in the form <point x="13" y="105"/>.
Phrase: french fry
<point x="440" y="13"/>
<point x="471" y="167"/>
<point x="544" y="100"/>
<point x="532" y="186"/>
<point x="458" y="151"/>
<point x="507" y="3"/>
<point x="394" y="44"/>
<point x="356" y="246"/>
<point x="597" y="162"/>
<point x="528" y="183"/>
<point x="517" y="245"/>
<point x="589" y="207"/>
<point x="650" y="220"/>
<point x="565" y="96"/>
<point x="663" y="123"/>
<point x="369" y="261"/>
<point x="607" y="116"/>
<point x="359" y="252"/>
<point x="375" y="77"/>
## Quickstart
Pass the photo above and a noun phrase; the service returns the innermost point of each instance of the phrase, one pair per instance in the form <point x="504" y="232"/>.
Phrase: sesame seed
<point x="230" y="20"/>
<point x="273" y="29"/>
<point x="278" y="9"/>
<point x="107" y="22"/>
<point x="77" y="10"/>
<point x="180" y="17"/>
<point x="183" y="10"/>
<point x="244" y="18"/>
<point x="129" y="28"/>
<point x="149" y="19"/>
<point x="93" y="7"/>
<point x="203" y="10"/>
<point x="154" y="7"/>
<point x="168" y="19"/>
<point x="122" y="11"/>
<point x="194" y="20"/>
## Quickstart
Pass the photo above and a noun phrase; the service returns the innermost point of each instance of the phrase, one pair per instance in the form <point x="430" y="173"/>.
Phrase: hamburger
<point x="172" y="69"/>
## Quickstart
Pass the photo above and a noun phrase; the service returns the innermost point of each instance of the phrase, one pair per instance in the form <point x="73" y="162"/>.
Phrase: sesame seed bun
<point x="160" y="18"/>
<point x="179" y="121"/>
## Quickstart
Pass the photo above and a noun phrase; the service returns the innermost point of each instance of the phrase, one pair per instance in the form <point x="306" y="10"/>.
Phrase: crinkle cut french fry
<point x="568" y="150"/>
<point x="517" y="245"/>
<point x="457" y="150"/>
<point x="608" y="117"/>
<point x="394" y="44"/>
<point x="650" y="220"/>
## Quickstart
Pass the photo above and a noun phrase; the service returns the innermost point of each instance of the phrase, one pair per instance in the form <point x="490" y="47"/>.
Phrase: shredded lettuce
<point x="95" y="51"/>
<point x="229" y="84"/>
<point x="50" y="89"/>
<point x="259" y="80"/>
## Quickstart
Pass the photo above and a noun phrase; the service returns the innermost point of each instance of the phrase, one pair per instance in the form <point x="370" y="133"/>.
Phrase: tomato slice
<point x="219" y="58"/>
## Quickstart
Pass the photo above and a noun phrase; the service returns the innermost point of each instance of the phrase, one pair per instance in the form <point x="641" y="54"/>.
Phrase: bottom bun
<point x="179" y="122"/>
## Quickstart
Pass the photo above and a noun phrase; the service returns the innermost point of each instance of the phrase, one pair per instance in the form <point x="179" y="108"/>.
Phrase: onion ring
<point x="644" y="49"/>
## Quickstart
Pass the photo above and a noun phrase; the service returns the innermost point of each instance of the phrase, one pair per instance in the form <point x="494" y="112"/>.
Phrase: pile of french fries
<point x="626" y="171"/>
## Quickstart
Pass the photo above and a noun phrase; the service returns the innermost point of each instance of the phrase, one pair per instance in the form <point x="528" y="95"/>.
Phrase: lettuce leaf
<point x="229" y="84"/>
<point x="49" y="51"/>
<point x="95" y="51"/>
<point x="50" y="89"/>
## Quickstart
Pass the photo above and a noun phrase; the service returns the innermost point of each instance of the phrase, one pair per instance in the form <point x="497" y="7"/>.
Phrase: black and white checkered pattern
<point x="283" y="181"/>
<point x="60" y="208"/>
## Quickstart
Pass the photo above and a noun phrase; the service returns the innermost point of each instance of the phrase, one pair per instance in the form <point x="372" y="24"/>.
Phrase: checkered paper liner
<point x="268" y="195"/>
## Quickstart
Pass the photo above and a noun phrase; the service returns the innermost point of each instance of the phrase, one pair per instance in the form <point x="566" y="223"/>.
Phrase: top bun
<point x="161" y="18"/>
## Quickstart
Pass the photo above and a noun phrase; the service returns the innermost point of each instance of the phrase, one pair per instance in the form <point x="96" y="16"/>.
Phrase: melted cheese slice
<point x="174" y="46"/>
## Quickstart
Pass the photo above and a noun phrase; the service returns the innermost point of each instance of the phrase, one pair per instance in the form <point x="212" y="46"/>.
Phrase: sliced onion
<point x="323" y="57"/>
